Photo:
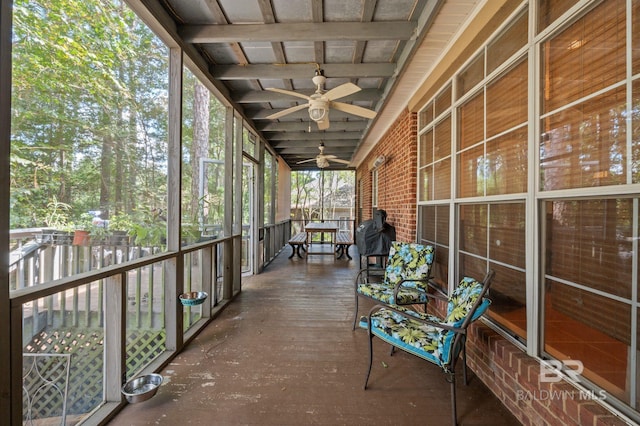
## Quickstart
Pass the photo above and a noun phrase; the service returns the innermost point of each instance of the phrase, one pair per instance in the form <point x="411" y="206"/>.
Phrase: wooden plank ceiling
<point x="254" y="45"/>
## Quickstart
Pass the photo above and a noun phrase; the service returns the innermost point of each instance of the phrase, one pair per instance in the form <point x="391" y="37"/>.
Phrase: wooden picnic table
<point x="321" y="227"/>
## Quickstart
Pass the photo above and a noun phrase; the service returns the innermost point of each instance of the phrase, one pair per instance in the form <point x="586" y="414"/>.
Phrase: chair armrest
<point x="368" y="271"/>
<point x="419" y="317"/>
<point x="439" y="294"/>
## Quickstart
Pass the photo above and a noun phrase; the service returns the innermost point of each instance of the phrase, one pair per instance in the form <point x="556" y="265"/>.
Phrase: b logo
<point x="551" y="371"/>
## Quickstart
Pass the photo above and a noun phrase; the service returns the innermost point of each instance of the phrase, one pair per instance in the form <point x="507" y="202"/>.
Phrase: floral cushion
<point x="406" y="261"/>
<point x="384" y="293"/>
<point x="461" y="301"/>
<point x="425" y="340"/>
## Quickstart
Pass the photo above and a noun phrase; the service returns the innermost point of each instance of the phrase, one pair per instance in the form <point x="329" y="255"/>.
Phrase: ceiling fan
<point x="322" y="160"/>
<point x="320" y="101"/>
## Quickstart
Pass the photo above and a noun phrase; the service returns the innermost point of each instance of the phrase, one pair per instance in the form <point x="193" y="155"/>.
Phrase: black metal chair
<point x="437" y="340"/>
<point x="405" y="280"/>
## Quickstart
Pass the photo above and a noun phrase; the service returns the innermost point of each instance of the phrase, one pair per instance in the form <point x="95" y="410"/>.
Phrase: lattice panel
<point x="142" y="347"/>
<point x="85" y="372"/>
<point x="45" y="380"/>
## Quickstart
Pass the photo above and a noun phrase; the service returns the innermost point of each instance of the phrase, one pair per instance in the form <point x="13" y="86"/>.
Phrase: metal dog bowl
<point x="193" y="298"/>
<point x="141" y="388"/>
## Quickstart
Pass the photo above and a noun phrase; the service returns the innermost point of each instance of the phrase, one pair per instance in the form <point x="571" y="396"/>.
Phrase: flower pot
<point x="81" y="238"/>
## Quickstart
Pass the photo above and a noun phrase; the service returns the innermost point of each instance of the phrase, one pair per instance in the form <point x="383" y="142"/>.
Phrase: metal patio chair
<point x="437" y="340"/>
<point x="405" y="279"/>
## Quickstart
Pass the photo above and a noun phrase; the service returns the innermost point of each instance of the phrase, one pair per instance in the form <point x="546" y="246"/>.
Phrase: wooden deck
<point x="284" y="353"/>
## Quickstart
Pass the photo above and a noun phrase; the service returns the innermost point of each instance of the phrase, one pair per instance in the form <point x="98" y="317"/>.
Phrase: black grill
<point x="374" y="237"/>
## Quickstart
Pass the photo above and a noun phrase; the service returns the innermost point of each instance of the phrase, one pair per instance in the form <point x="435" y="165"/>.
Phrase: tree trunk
<point x="200" y="145"/>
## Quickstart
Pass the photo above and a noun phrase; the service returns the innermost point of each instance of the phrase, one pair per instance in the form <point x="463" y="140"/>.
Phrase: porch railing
<point x="116" y="319"/>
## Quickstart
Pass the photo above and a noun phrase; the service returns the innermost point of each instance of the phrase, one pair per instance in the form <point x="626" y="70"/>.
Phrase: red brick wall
<point x="514" y="377"/>
<point x="396" y="177"/>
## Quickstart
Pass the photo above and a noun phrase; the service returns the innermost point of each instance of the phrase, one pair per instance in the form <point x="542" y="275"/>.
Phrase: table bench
<point x="344" y="240"/>
<point x="296" y="242"/>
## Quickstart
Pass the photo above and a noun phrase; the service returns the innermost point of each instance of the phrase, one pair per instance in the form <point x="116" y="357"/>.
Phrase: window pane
<point x="508" y="43"/>
<point x="472" y="266"/>
<point x="443" y="101"/>
<point x="425" y="184"/>
<point x="509" y="299"/>
<point x="600" y="325"/>
<point x="471" y="75"/>
<point x="635" y="46"/>
<point x="550" y="10"/>
<point x="441" y="266"/>
<point x="586" y="57"/>
<point x="473" y="229"/>
<point x="442" y="179"/>
<point x="507" y="233"/>
<point x="426" y="148"/>
<point x="435" y="231"/>
<point x="471" y="167"/>
<point x="507" y="100"/>
<point x="426" y="115"/>
<point x="427" y="219"/>
<point x="585" y="146"/>
<point x="442" y="225"/>
<point x="586" y="243"/>
<point x="442" y="142"/>
<point x="507" y="163"/>
<point x="635" y="129"/>
<point x="471" y="122"/>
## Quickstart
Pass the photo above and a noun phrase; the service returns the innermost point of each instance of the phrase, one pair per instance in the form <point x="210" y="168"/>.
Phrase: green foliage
<point x="56" y="215"/>
<point x="148" y="234"/>
<point x="121" y="222"/>
<point x="88" y="109"/>
<point x="89" y="120"/>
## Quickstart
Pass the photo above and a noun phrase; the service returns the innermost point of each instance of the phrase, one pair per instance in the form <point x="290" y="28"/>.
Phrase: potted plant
<point x="57" y="220"/>
<point x="120" y="225"/>
<point x="82" y="234"/>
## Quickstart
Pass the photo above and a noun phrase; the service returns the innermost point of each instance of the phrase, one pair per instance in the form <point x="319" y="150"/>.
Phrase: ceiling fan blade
<point x="324" y="124"/>
<point x="306" y="161"/>
<point x="353" y="109"/>
<point x="287" y="111"/>
<point x="341" y="91"/>
<point x="288" y="92"/>
<point x="340" y="160"/>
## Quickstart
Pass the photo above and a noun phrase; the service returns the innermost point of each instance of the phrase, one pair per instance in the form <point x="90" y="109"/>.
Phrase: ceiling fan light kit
<point x="317" y="108"/>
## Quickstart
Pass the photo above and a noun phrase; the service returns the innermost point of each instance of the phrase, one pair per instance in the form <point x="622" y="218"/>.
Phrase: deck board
<point x="284" y="353"/>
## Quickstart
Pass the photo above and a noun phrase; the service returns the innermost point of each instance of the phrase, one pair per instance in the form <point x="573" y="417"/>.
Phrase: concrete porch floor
<point x="284" y="353"/>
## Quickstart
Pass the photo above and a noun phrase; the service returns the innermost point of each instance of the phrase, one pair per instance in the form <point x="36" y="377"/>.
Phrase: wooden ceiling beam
<point x="298" y="31"/>
<point x="279" y="72"/>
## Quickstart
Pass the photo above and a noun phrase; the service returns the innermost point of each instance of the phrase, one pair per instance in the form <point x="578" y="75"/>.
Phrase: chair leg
<point x="392" y="350"/>
<point x="366" y="380"/>
<point x="464" y="362"/>
<point x="355" y="314"/>
<point x="454" y="415"/>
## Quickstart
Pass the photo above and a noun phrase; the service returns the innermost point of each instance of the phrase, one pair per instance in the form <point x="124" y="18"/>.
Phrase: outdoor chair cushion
<point x="409" y="264"/>
<point x="422" y="336"/>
